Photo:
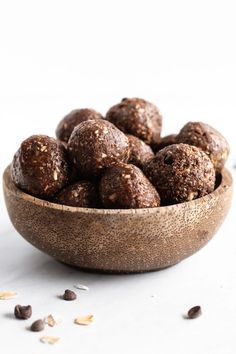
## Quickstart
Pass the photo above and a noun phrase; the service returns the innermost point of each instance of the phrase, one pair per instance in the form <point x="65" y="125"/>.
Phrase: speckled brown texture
<point x="208" y="139"/>
<point x="80" y="194"/>
<point x="180" y="173"/>
<point x="40" y="166"/>
<point x="132" y="240"/>
<point x="140" y="153"/>
<point x="166" y="141"/>
<point x="137" y="117"/>
<point x="95" y="145"/>
<point x="71" y="120"/>
<point x="125" y="186"/>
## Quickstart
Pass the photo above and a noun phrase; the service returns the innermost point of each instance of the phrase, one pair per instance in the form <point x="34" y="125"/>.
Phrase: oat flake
<point x="84" y="320"/>
<point x="81" y="287"/>
<point x="51" y="321"/>
<point x="49" y="340"/>
<point x="7" y="295"/>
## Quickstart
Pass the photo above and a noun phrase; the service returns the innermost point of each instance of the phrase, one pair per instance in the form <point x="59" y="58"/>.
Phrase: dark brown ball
<point x="180" y="173"/>
<point x="208" y="139"/>
<point x="95" y="145"/>
<point x="166" y="141"/>
<point x="140" y="153"/>
<point x="137" y="117"/>
<point x="71" y="120"/>
<point x="40" y="167"/>
<point x="125" y="186"/>
<point x="81" y="194"/>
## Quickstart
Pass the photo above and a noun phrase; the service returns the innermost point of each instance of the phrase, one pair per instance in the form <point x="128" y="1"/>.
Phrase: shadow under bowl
<point x="118" y="240"/>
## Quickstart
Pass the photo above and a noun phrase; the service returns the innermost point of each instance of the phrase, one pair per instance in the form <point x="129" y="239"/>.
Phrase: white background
<point x="59" y="55"/>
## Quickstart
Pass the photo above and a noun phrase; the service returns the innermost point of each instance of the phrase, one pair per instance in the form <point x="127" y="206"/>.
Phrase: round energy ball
<point x="181" y="173"/>
<point x="40" y="167"/>
<point x="207" y="139"/>
<point x="71" y="120"/>
<point x="140" y="153"/>
<point x="137" y="117"/>
<point x="80" y="194"/>
<point x="125" y="186"/>
<point x="95" y="145"/>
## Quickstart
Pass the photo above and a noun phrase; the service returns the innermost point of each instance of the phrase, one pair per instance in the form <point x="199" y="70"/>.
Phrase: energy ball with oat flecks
<point x="95" y="145"/>
<point x="166" y="141"/>
<point x="81" y="194"/>
<point x="71" y="120"/>
<point x="40" y="167"/>
<point x="207" y="139"/>
<point x="140" y="152"/>
<point x="125" y="186"/>
<point x="181" y="173"/>
<point x="137" y="117"/>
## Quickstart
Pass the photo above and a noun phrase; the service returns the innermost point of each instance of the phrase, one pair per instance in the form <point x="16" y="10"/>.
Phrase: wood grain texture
<point x="131" y="240"/>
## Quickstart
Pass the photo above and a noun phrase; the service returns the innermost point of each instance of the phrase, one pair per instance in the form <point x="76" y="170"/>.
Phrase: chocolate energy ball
<point x="71" y="120"/>
<point x="125" y="186"/>
<point x="166" y="141"/>
<point x="40" y="167"/>
<point x="95" y="145"/>
<point x="140" y="153"/>
<point x="137" y="117"/>
<point x="81" y="194"/>
<point x="208" y="139"/>
<point x="180" y="173"/>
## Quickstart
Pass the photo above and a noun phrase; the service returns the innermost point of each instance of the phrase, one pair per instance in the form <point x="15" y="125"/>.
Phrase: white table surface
<point x="61" y="55"/>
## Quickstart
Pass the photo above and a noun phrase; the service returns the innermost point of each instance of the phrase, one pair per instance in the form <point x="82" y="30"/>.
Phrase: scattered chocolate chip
<point x="194" y="312"/>
<point x="69" y="295"/>
<point x="37" y="326"/>
<point x="23" y="312"/>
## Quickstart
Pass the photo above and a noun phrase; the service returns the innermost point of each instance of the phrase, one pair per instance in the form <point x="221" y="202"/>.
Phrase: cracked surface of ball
<point x="125" y="186"/>
<point x="40" y="167"/>
<point x="95" y="145"/>
<point x="208" y="139"/>
<point x="137" y="117"/>
<point x="71" y="120"/>
<point x="181" y="173"/>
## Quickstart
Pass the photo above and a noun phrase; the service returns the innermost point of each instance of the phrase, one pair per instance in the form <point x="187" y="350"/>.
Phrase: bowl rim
<point x="226" y="182"/>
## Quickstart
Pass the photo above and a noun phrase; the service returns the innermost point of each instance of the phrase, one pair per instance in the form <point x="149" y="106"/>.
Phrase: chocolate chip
<point x="194" y="312"/>
<point x="69" y="295"/>
<point x="23" y="312"/>
<point x="37" y="326"/>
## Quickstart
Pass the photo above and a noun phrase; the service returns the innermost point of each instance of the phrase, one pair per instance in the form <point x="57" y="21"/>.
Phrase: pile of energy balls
<point x="120" y="161"/>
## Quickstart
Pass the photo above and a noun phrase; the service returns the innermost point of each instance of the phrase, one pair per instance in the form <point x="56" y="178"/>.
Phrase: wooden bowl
<point x="118" y="240"/>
